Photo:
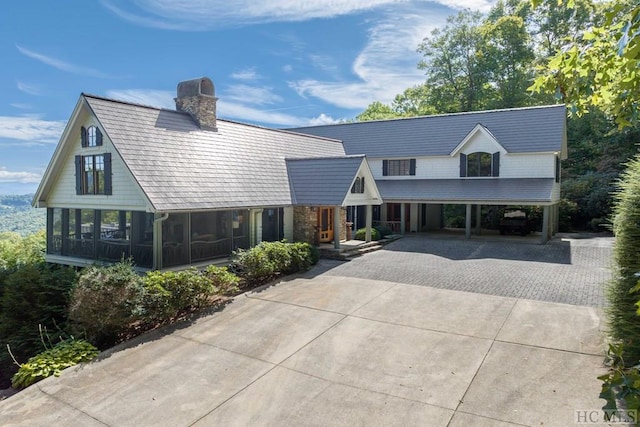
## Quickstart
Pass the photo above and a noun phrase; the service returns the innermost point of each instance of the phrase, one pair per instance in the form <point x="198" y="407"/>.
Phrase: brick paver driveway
<point x="565" y="270"/>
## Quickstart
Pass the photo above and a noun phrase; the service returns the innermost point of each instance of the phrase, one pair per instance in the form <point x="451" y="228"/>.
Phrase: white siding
<point x="555" y="193"/>
<point x="541" y="165"/>
<point x="127" y="195"/>
<point x="534" y="165"/>
<point x="483" y="143"/>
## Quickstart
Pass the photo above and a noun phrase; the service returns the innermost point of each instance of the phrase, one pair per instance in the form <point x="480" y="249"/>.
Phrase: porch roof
<point x="497" y="191"/>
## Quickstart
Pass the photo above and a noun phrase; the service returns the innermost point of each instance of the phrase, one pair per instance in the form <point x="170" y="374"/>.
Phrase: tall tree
<point x="454" y="63"/>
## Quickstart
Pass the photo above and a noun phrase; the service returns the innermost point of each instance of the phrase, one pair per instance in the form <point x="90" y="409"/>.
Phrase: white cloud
<point x="246" y="74"/>
<point x="62" y="65"/>
<point x="208" y="14"/>
<point x="20" y="177"/>
<point x="385" y="67"/>
<point x="242" y="112"/>
<point x="29" y="88"/>
<point x="323" y="119"/>
<point x="31" y="129"/>
<point x="287" y="68"/>
<point x="251" y="94"/>
<point x="21" y="106"/>
<point x="150" y="97"/>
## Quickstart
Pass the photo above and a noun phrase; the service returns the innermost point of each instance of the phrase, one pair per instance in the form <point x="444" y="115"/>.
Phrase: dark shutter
<point x="362" y="184"/>
<point x="412" y="167"/>
<point x="496" y="164"/>
<point x="83" y="136"/>
<point x="107" y="174"/>
<point x="385" y="167"/>
<point x="79" y="174"/>
<point x="98" y="136"/>
<point x="557" y="169"/>
<point x="463" y="165"/>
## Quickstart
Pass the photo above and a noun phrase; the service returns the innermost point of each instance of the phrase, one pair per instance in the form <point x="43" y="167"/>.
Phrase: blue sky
<point x="276" y="63"/>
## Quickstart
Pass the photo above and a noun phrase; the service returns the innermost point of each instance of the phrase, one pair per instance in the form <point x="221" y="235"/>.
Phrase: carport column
<point x="478" y="218"/>
<point x="545" y="225"/>
<point x="467" y="227"/>
<point x="368" y="215"/>
<point x="402" y="218"/>
<point x="336" y="227"/>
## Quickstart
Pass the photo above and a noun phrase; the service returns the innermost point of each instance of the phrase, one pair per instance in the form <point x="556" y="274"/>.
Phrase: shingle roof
<point x="519" y="130"/>
<point x="322" y="181"/>
<point x="500" y="190"/>
<point x="181" y="167"/>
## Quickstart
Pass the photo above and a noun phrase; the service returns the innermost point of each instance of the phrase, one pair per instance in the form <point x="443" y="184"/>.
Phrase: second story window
<point x="91" y="136"/>
<point x="403" y="167"/>
<point x="93" y="174"/>
<point x="358" y="185"/>
<point x="480" y="164"/>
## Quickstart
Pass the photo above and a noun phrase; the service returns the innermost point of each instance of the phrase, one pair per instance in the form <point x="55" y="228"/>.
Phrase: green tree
<point x="377" y="111"/>
<point x="454" y="63"/>
<point x="601" y="66"/>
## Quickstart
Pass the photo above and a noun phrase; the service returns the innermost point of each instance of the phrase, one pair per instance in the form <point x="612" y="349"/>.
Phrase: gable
<point x="59" y="186"/>
<point x="328" y="181"/>
<point x="479" y="139"/>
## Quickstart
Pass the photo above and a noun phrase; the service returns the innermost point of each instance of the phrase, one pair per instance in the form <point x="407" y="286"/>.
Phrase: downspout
<point x="157" y="241"/>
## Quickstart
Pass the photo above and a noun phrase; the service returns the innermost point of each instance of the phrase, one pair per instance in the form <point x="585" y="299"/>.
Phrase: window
<point x="480" y="164"/>
<point x="358" y="185"/>
<point x="558" y="171"/>
<point x="402" y="167"/>
<point x="91" y="136"/>
<point x="93" y="174"/>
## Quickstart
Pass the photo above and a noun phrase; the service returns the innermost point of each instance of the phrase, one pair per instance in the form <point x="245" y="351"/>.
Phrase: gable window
<point x="480" y="164"/>
<point x="93" y="174"/>
<point x="403" y="167"/>
<point x="558" y="172"/>
<point x="91" y="136"/>
<point x="358" y="186"/>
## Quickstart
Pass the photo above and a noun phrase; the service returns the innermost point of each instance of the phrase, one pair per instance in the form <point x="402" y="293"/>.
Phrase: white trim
<point x="477" y="129"/>
<point x="371" y="195"/>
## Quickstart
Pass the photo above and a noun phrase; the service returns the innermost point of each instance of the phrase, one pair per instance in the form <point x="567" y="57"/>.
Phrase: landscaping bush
<point x="269" y="259"/>
<point x="361" y="233"/>
<point x="622" y="293"/>
<point x="106" y="301"/>
<point x="171" y="293"/>
<point x="53" y="361"/>
<point x="224" y="281"/>
<point x="383" y="230"/>
<point x="33" y="295"/>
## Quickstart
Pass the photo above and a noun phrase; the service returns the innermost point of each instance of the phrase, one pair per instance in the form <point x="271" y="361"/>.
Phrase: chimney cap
<point x="196" y="87"/>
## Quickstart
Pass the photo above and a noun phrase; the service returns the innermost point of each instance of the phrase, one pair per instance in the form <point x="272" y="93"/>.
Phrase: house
<point x="172" y="188"/>
<point x="175" y="188"/>
<point x="474" y="159"/>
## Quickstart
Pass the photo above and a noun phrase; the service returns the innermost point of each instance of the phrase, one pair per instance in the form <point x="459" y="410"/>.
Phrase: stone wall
<point x="305" y="220"/>
<point x="202" y="108"/>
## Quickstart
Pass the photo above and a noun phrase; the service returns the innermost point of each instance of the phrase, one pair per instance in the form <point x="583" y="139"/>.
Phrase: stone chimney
<point x="197" y="98"/>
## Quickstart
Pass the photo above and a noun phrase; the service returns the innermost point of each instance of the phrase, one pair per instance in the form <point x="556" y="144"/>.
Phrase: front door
<point x="325" y="225"/>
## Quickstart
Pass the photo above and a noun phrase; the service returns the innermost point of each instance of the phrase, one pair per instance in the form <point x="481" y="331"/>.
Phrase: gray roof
<point x="518" y="130"/>
<point x="322" y="181"/>
<point x="181" y="167"/>
<point x="489" y="191"/>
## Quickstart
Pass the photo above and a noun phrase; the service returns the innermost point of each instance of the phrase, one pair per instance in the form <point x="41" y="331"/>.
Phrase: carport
<point x="420" y="201"/>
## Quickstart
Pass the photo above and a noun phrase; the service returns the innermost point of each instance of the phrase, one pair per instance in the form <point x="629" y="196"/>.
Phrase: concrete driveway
<point x="329" y="349"/>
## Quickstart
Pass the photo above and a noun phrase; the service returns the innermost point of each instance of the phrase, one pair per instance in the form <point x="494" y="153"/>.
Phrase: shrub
<point x="106" y="301"/>
<point x="268" y="259"/>
<point x="224" y="281"/>
<point x="383" y="230"/>
<point x="622" y="292"/>
<point x="171" y="293"/>
<point x="361" y="233"/>
<point x="53" y="361"/>
<point x="33" y="295"/>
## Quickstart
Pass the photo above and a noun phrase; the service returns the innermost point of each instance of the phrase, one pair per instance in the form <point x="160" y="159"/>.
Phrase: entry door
<point x="325" y="224"/>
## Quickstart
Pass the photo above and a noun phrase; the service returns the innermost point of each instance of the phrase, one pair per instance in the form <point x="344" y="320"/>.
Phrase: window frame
<point x="480" y="164"/>
<point x="93" y="174"/>
<point x="399" y="167"/>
